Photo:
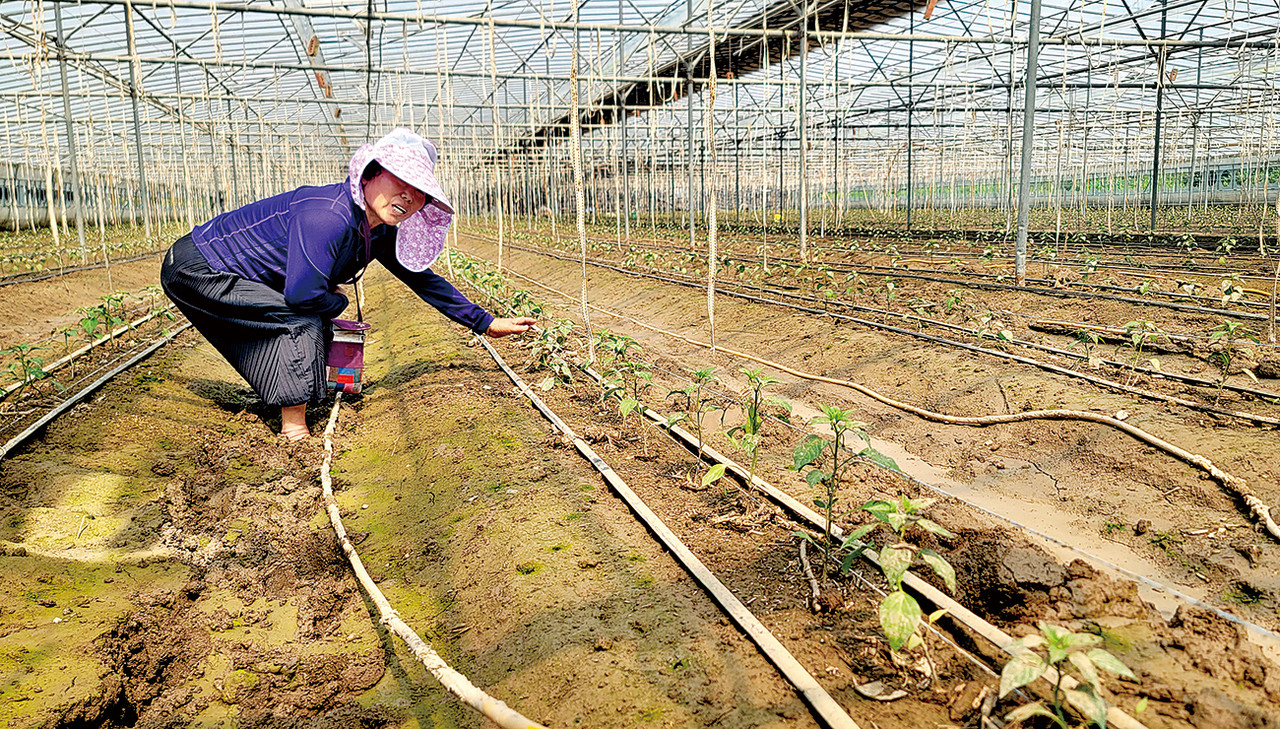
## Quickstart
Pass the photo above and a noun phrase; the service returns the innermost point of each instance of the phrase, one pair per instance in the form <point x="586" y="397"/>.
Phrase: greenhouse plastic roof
<point x="494" y="77"/>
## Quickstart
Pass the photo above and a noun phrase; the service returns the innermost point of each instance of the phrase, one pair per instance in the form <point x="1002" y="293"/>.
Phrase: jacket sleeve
<point x="437" y="291"/>
<point x="315" y="244"/>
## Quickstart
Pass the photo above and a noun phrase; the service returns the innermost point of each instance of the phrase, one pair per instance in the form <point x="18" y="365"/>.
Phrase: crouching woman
<point x="262" y="283"/>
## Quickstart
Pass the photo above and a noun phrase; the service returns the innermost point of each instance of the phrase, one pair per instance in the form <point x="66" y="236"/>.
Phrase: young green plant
<point x="1062" y="650"/>
<point x="696" y="401"/>
<point x="746" y="437"/>
<point x="900" y="613"/>
<point x="27" y="368"/>
<point x="548" y="350"/>
<point x="1225" y="339"/>
<point x="816" y="451"/>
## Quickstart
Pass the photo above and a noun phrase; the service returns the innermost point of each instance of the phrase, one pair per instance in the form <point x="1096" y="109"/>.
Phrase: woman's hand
<point x="506" y="327"/>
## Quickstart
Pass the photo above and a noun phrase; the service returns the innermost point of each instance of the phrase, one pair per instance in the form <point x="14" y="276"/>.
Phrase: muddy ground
<point x="168" y="563"/>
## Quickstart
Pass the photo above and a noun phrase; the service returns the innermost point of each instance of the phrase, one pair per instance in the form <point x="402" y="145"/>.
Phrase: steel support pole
<point x="1028" y="139"/>
<point x="137" y="127"/>
<point x="76" y="192"/>
<point x="215" y="205"/>
<point x="688" y="69"/>
<point x="802" y="123"/>
<point x="835" y="152"/>
<point x="688" y="203"/>
<point x="737" y="162"/>
<point x="626" y="174"/>
<point x="1162" y="56"/>
<point x="1195" y="130"/>
<point x="911" y="100"/>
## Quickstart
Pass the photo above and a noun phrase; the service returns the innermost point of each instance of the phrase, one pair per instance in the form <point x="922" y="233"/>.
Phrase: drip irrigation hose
<point x="1154" y="374"/>
<point x="955" y="610"/>
<point x="49" y="368"/>
<point x="1014" y="287"/>
<point x="1238" y="487"/>
<point x="825" y="708"/>
<point x="32" y="278"/>
<point x="871" y="268"/>
<point x="456" y="683"/>
<point x="1116" y="333"/>
<point x="1137" y="270"/>
<point x="1101" y="382"/>
<point x="62" y="407"/>
<point x="1088" y="287"/>
<point x="1070" y="294"/>
<point x="1033" y="345"/>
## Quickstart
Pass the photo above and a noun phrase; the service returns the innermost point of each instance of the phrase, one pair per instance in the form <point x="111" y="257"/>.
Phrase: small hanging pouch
<point x="345" y="361"/>
<point x="346" y="355"/>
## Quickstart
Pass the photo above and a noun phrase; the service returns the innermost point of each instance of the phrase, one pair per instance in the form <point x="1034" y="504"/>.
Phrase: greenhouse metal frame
<point x="909" y="114"/>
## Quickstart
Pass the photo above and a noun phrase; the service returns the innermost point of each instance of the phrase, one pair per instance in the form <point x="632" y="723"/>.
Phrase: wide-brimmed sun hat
<point x="420" y="237"/>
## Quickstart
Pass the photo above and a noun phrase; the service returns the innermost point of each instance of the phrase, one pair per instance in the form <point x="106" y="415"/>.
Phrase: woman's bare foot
<point x="293" y="422"/>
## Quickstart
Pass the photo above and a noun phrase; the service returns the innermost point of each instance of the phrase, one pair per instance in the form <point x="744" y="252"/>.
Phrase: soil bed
<point x="167" y="563"/>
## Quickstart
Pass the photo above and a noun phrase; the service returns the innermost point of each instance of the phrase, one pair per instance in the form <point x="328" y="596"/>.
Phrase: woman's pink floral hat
<point x="420" y="238"/>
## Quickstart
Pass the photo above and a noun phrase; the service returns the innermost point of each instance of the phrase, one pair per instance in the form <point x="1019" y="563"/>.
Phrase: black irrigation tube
<point x="1187" y="379"/>
<point x="826" y="710"/>
<point x="62" y="407"/>
<point x="1121" y="266"/>
<point x="1101" y="382"/>
<point x="1091" y="287"/>
<point x="1013" y="287"/>
<point x="872" y="269"/>
<point x="48" y="274"/>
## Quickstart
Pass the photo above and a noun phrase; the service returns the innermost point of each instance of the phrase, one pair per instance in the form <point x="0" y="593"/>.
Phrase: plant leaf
<point x="857" y="534"/>
<point x="894" y="561"/>
<point x="807" y="452"/>
<point x="1108" y="662"/>
<point x="934" y="527"/>
<point x="878" y="509"/>
<point x="1026" y="711"/>
<point x="879" y="458"/>
<point x="941" y="566"/>
<point x="713" y="474"/>
<point x="1090" y="704"/>
<point x="1087" y="670"/>
<point x="1081" y="640"/>
<point x="847" y="562"/>
<point x="899" y="615"/>
<point x="1021" y="670"/>
<point x="814" y="477"/>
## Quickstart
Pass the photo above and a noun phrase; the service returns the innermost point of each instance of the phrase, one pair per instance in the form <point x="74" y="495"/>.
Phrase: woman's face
<point x="390" y="200"/>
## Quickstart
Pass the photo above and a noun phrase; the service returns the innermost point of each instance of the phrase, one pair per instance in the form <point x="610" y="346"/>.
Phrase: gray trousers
<point x="279" y="352"/>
